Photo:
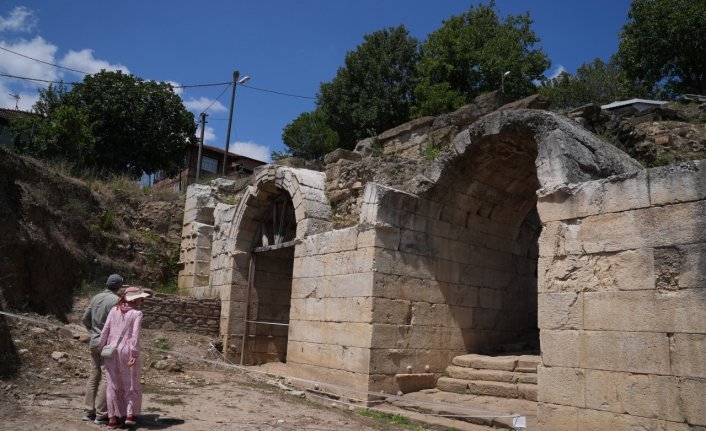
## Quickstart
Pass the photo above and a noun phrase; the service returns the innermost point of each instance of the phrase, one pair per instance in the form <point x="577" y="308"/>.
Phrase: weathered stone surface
<point x="535" y="101"/>
<point x="638" y="352"/>
<point x="557" y="417"/>
<point x="678" y="183"/>
<point x="405" y="128"/>
<point x="560" y="348"/>
<point x="635" y="394"/>
<point x="629" y="270"/>
<point x="503" y="363"/>
<point x="493" y="389"/>
<point x="688" y="355"/>
<point x="415" y="382"/>
<point x="561" y="310"/>
<point x="564" y="386"/>
<point x="341" y="154"/>
<point x="449" y="384"/>
<point x="646" y="311"/>
<point x="693" y="397"/>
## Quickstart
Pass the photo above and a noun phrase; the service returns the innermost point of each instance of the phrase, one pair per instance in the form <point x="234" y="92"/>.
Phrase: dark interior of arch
<point x="489" y="195"/>
<point x="270" y="297"/>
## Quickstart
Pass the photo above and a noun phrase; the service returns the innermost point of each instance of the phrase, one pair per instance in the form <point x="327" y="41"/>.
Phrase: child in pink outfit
<point x="124" y="393"/>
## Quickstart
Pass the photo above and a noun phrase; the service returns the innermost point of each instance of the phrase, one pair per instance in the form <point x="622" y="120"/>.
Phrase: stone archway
<point x="301" y="209"/>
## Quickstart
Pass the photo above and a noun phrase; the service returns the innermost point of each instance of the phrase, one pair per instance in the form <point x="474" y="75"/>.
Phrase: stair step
<point x="480" y="410"/>
<point x="488" y="388"/>
<point x="490" y="375"/>
<point x="521" y="363"/>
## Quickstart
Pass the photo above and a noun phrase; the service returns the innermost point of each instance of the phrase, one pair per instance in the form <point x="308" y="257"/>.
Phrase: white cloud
<point x="84" y="61"/>
<point x="558" y="70"/>
<point x="252" y="150"/>
<point x="200" y="104"/>
<point x="20" y="19"/>
<point x="36" y="48"/>
<point x="178" y="91"/>
<point x="209" y="136"/>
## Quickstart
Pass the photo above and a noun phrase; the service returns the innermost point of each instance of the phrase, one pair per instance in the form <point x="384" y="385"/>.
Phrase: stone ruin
<point x="494" y="228"/>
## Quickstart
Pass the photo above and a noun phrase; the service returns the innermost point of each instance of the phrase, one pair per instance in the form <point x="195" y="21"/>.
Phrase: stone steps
<point x="493" y="412"/>
<point x="508" y="376"/>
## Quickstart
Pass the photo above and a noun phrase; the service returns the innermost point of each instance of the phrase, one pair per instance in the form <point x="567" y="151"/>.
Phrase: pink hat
<point x="132" y="293"/>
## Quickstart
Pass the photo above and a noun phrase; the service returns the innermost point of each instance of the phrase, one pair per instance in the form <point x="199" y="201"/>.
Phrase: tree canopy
<point x="308" y="137"/>
<point x="110" y="122"/>
<point x="469" y="54"/>
<point x="595" y="82"/>
<point x="373" y="91"/>
<point x="663" y="46"/>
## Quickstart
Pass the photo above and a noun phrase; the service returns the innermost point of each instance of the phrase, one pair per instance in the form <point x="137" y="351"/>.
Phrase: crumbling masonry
<point x="511" y="226"/>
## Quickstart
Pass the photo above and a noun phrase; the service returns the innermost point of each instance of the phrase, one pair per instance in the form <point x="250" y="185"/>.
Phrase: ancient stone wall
<point x="622" y="302"/>
<point x="181" y="313"/>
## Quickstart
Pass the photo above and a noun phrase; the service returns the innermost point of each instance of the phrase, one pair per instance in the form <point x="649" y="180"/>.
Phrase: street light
<point x="245" y="79"/>
<point x="502" y="81"/>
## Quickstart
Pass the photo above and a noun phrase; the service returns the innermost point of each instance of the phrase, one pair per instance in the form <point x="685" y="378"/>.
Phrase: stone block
<point x="691" y="269"/>
<point x="456" y="386"/>
<point x="594" y="420"/>
<point x="502" y="363"/>
<point x="628" y="270"/>
<point x="493" y="389"/>
<point x="682" y="182"/>
<point x="564" y="386"/>
<point x="638" y="352"/>
<point x="688" y="355"/>
<point x="614" y="194"/>
<point x="415" y="382"/>
<point x="341" y="154"/>
<point x="679" y="224"/>
<point x="646" y="311"/>
<point x="528" y="392"/>
<point x="405" y="361"/>
<point x="642" y="395"/>
<point x="555" y="417"/>
<point x="693" y="397"/>
<point x="353" y="359"/>
<point x="561" y="311"/>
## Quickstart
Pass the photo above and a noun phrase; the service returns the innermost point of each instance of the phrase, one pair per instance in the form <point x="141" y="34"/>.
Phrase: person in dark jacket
<point x="93" y="319"/>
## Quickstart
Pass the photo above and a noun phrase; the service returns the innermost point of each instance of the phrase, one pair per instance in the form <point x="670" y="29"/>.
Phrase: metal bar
<point x="260" y="322"/>
<point x="276" y="247"/>
<point x="251" y="282"/>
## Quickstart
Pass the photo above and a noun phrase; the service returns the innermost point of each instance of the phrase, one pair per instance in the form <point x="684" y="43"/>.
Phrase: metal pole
<point x="251" y="283"/>
<point x="236" y="74"/>
<point x="198" y="158"/>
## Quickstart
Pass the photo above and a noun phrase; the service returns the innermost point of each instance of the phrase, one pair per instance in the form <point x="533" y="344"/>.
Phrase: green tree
<point x="111" y="122"/>
<point x="596" y="82"/>
<point x="308" y="137"/>
<point x="373" y="91"/>
<point x="663" y="46"/>
<point x="470" y="53"/>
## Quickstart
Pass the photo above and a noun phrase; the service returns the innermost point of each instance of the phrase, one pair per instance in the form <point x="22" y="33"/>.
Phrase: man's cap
<point x="114" y="282"/>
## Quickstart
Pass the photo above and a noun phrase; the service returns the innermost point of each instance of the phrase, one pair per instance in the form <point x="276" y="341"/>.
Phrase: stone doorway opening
<point x="489" y="196"/>
<point x="267" y="307"/>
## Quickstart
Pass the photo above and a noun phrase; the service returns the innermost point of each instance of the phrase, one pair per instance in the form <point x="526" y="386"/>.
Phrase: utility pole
<point x="236" y="74"/>
<point x="198" y="158"/>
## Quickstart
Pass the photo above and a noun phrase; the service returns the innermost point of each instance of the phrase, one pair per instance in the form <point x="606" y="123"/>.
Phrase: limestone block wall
<point x="440" y="289"/>
<point x="331" y="317"/>
<point x="196" y="238"/>
<point x="181" y="313"/>
<point x="622" y="302"/>
<point x="220" y="266"/>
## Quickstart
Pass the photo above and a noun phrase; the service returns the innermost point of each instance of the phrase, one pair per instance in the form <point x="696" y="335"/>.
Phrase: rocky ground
<point x="179" y="393"/>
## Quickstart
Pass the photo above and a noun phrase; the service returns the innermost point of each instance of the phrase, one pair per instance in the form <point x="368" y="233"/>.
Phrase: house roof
<point x="230" y="153"/>
<point x="620" y="103"/>
<point x="9" y="114"/>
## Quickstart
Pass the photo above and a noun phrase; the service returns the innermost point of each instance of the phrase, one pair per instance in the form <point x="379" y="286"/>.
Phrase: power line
<point x="216" y="99"/>
<point x="42" y="61"/>
<point x="37" y="79"/>
<point x="278" y="92"/>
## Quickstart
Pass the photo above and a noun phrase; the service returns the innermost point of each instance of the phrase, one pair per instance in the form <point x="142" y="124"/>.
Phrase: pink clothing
<point x="124" y="394"/>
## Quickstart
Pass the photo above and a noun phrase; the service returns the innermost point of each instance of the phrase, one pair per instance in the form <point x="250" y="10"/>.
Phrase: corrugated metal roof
<point x="632" y="102"/>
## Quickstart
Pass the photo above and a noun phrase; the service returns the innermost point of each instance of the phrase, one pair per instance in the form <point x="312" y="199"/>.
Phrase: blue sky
<point x="285" y="46"/>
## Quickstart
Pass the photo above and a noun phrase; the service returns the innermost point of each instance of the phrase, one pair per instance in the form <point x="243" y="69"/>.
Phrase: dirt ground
<point x="47" y="392"/>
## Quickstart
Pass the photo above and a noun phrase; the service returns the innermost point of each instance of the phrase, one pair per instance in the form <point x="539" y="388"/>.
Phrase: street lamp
<point x="243" y="80"/>
<point x="502" y="81"/>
